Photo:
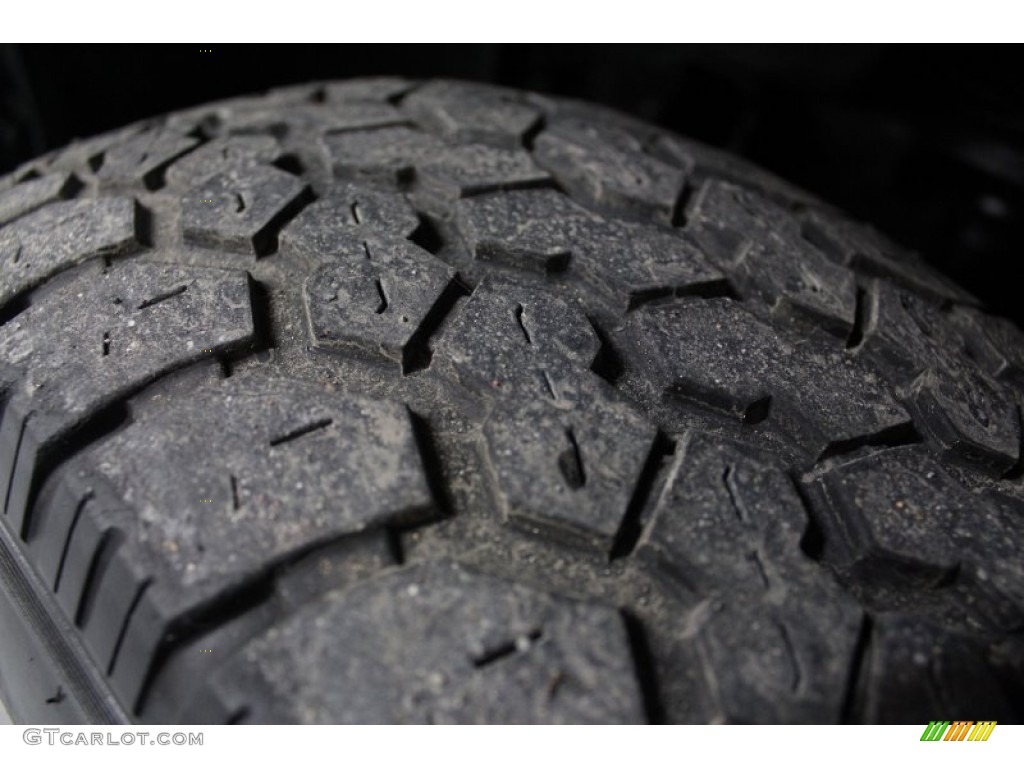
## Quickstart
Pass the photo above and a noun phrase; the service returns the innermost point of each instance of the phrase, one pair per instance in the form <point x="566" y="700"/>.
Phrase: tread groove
<point x="104" y="555"/>
<point x="125" y="624"/>
<point x="861" y="652"/>
<point x="633" y="521"/>
<point x="264" y="242"/>
<point x="68" y="539"/>
<point x="417" y="354"/>
<point x="646" y="671"/>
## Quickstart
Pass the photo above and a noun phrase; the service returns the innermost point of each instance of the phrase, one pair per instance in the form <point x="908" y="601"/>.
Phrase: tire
<point x="383" y="401"/>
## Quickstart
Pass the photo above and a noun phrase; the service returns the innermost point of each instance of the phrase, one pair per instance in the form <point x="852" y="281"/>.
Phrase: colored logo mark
<point x="958" y="730"/>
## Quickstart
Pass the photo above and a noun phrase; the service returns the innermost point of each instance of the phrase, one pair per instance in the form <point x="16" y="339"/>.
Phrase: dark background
<point x="926" y="142"/>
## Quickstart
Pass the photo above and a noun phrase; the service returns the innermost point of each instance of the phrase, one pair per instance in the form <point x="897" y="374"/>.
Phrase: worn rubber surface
<point x="384" y="401"/>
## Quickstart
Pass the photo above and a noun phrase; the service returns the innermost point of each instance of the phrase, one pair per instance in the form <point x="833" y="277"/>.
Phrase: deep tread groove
<point x="427" y="235"/>
<point x="608" y="363"/>
<point x="13" y="308"/>
<point x="1017" y="470"/>
<point x="71" y="189"/>
<point x="633" y="521"/>
<point x="101" y="560"/>
<point x="713" y="289"/>
<point x="290" y="163"/>
<point x="262" y="311"/>
<point x="901" y="434"/>
<point x="124" y="625"/>
<point x="264" y="242"/>
<point x="530" y="134"/>
<point x="418" y="354"/>
<point x="648" y="296"/>
<point x="646" y="672"/>
<point x="678" y="218"/>
<point x="433" y="467"/>
<point x="860" y="655"/>
<point x="758" y="411"/>
<point x="812" y="542"/>
<point x="860" y="319"/>
<point x="144" y="225"/>
<point x="70" y="537"/>
<point x="14" y="465"/>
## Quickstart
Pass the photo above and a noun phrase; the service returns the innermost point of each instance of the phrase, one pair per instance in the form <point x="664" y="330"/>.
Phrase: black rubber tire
<point x="383" y="401"/>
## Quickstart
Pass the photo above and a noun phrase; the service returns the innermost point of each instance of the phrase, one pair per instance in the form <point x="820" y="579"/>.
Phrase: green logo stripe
<point x="935" y="730"/>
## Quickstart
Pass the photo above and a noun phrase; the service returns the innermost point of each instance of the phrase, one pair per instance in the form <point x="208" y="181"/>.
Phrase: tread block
<point x="569" y="473"/>
<point x="759" y="245"/>
<point x="506" y="335"/>
<point x="61" y="235"/>
<point x="350" y="116"/>
<point x="440" y="644"/>
<point x="377" y="301"/>
<point x="132" y="323"/>
<point x="727" y="518"/>
<point x="80" y="154"/>
<point x="915" y="672"/>
<point x="783" y="664"/>
<point x="255" y="471"/>
<point x="715" y="353"/>
<point x="237" y="211"/>
<point x="391" y="156"/>
<point x="609" y="170"/>
<point x="367" y="89"/>
<point x="903" y="518"/>
<point x="780" y="635"/>
<point x="383" y="157"/>
<point x="473" y="169"/>
<point x="325" y="230"/>
<point x="473" y="114"/>
<point x="544" y="231"/>
<point x="974" y="418"/>
<point x="994" y="342"/>
<point x="30" y="195"/>
<point x="222" y="156"/>
<point x="135" y="160"/>
<point x="705" y="162"/>
<point x="867" y="251"/>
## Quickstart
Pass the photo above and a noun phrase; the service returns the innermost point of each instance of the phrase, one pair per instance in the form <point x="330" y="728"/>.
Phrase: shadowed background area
<point x="926" y="142"/>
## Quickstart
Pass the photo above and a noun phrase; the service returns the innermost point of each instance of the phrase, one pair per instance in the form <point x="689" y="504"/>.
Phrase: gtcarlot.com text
<point x="60" y="736"/>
